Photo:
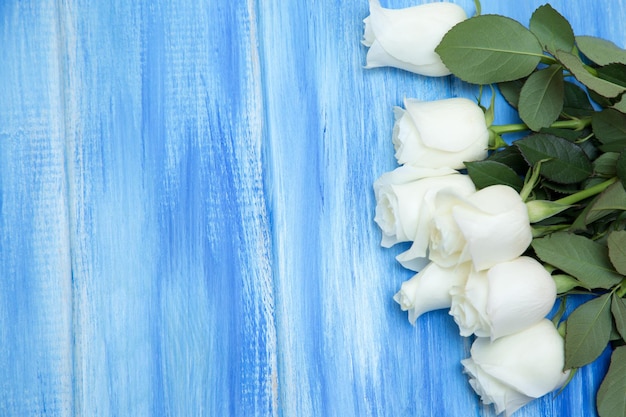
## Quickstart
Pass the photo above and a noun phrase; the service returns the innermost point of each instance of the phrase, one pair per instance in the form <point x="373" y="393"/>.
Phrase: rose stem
<point x="586" y="193"/>
<point x="574" y="124"/>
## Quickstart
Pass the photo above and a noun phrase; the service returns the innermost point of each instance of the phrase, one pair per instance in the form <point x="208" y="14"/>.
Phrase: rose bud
<point x="430" y="289"/>
<point x="403" y="211"/>
<point x="504" y="299"/>
<point x="515" y="369"/>
<point x="487" y="227"/>
<point x="440" y="133"/>
<point x="407" y="38"/>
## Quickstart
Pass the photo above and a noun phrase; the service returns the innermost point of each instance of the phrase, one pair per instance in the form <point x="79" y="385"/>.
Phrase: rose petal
<point x="531" y="361"/>
<point x="433" y="120"/>
<point x="492" y="391"/>
<point x="469" y="305"/>
<point x="410" y="35"/>
<point x="521" y="293"/>
<point x="495" y="229"/>
<point x="430" y="289"/>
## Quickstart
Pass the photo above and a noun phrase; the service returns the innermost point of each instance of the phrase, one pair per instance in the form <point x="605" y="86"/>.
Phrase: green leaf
<point x="615" y="73"/>
<point x="620" y="105"/>
<point x="569" y="134"/>
<point x="611" y="398"/>
<point x="510" y="90"/>
<point x="511" y="157"/>
<point x="617" y="250"/>
<point x="552" y="29"/>
<point x="588" y="331"/>
<point x="478" y="51"/>
<point x="618" y="308"/>
<point x="589" y="147"/>
<point x="609" y="126"/>
<point x="560" y="188"/>
<point x="606" y="164"/>
<point x="620" y="168"/>
<point x="566" y="162"/>
<point x="600" y="51"/>
<point x="541" y="98"/>
<point x="486" y="173"/>
<point x="610" y="200"/>
<point x="613" y="198"/>
<point x="575" y="65"/>
<point x="575" y="101"/>
<point x="578" y="256"/>
<point x="614" y="333"/>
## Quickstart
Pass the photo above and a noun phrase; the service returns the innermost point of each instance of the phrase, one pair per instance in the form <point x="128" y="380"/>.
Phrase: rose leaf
<point x="490" y="49"/>
<point x="486" y="173"/>
<point x="552" y="29"/>
<point x="584" y="259"/>
<point x="541" y="97"/>
<point x="600" y="51"/>
<point x="588" y="331"/>
<point x="611" y="401"/>
<point x="618" y="308"/>
<point x="606" y="164"/>
<point x="620" y="167"/>
<point x="576" y="101"/>
<point x="617" y="250"/>
<point x="564" y="161"/>
<point x="575" y="65"/>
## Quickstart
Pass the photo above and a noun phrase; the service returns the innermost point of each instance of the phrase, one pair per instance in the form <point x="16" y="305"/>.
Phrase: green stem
<point x="478" y="7"/>
<point x="621" y="289"/>
<point x="586" y="193"/>
<point x="548" y="60"/>
<point x="591" y="70"/>
<point x="515" y="127"/>
<point x="574" y="124"/>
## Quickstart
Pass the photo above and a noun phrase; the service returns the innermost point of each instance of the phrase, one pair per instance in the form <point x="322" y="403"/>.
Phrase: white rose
<point x="440" y="133"/>
<point x="430" y="289"/>
<point x="515" y="369"/>
<point x="504" y="299"/>
<point x="407" y="38"/>
<point x="487" y="227"/>
<point x="405" y="197"/>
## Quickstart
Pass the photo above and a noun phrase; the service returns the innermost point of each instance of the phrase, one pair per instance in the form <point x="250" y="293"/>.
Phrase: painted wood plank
<point x="172" y="270"/>
<point x="35" y="265"/>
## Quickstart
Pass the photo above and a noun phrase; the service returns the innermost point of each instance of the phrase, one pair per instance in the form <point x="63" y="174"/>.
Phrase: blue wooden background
<point x="186" y="214"/>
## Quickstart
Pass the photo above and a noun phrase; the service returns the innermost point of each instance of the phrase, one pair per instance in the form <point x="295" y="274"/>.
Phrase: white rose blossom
<point x="513" y="370"/>
<point x="407" y="38"/>
<point x="440" y="133"/>
<point x="430" y="288"/>
<point x="403" y="212"/>
<point x="504" y="299"/>
<point x="487" y="227"/>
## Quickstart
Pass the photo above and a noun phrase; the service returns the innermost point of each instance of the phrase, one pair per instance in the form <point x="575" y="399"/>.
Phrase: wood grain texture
<point x="35" y="259"/>
<point x="186" y="214"/>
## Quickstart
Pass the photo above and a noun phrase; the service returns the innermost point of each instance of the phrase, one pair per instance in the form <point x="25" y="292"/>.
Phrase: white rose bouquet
<point x="502" y="230"/>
